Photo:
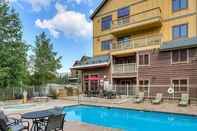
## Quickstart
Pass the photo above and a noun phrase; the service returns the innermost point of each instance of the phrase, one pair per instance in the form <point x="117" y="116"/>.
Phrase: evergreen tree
<point x="46" y="62"/>
<point x="13" y="51"/>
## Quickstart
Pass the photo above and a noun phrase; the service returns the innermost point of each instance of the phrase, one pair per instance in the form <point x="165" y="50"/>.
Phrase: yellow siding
<point x="167" y="27"/>
<point x="169" y="19"/>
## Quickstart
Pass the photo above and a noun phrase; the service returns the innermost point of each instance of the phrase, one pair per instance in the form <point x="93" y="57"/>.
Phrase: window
<point x="144" y="86"/>
<point x="180" y="31"/>
<point x="106" y="22"/>
<point x="123" y="16"/>
<point x="106" y="45"/>
<point x="124" y="40"/>
<point x="180" y="56"/>
<point x="144" y="59"/>
<point x="123" y="12"/>
<point x="180" y="85"/>
<point x="179" y="4"/>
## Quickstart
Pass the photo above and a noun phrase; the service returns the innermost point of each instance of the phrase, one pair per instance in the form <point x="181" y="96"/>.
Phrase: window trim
<point x="126" y="7"/>
<point x="149" y="63"/>
<point x="179" y="25"/>
<point x="110" y="46"/>
<point x="180" y="62"/>
<point x="179" y="9"/>
<point x="181" y="78"/>
<point x="148" y="85"/>
<point x="102" y="29"/>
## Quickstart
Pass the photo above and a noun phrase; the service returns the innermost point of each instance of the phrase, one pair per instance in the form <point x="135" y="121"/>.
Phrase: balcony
<point x="143" y="20"/>
<point x="138" y="42"/>
<point x="124" y="68"/>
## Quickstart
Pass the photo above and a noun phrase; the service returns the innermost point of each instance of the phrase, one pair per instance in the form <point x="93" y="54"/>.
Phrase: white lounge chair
<point x="184" y="100"/>
<point x="140" y="98"/>
<point x="158" y="98"/>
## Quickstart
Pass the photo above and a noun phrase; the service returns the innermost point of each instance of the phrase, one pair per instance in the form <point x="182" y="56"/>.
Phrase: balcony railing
<point x="137" y="42"/>
<point x="136" y="18"/>
<point x="124" y="68"/>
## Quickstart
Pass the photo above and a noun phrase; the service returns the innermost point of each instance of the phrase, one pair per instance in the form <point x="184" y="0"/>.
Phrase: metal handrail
<point x="138" y="42"/>
<point x="124" y="68"/>
<point x="138" y="17"/>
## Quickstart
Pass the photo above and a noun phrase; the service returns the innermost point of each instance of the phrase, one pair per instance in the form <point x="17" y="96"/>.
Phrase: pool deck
<point x="77" y="126"/>
<point x="170" y="107"/>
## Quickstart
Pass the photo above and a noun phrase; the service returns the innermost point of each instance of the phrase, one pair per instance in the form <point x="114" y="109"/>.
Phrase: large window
<point x="106" y="22"/>
<point x="180" y="85"/>
<point x="144" y="86"/>
<point x="123" y="16"/>
<point x="180" y="56"/>
<point x="144" y="59"/>
<point x="106" y="45"/>
<point x="179" y="4"/>
<point x="180" y="31"/>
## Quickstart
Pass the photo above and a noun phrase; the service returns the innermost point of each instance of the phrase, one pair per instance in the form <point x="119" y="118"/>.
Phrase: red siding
<point x="161" y="71"/>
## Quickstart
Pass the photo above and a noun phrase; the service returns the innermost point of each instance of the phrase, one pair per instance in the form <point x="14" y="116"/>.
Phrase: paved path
<point x="77" y="126"/>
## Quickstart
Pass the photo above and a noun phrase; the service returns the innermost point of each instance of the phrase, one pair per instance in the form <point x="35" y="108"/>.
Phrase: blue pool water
<point x="130" y="120"/>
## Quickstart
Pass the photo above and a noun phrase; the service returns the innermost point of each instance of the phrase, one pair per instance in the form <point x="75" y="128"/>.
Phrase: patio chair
<point x="158" y="98"/>
<point x="54" y="123"/>
<point x="12" y="124"/>
<point x="184" y="100"/>
<point x="140" y="98"/>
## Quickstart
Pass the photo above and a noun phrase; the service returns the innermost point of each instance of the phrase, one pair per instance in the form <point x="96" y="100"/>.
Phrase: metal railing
<point x="136" y="18"/>
<point x="124" y="68"/>
<point x="152" y="90"/>
<point x="137" y="42"/>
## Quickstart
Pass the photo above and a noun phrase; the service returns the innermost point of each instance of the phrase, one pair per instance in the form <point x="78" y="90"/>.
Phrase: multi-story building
<point x="146" y="45"/>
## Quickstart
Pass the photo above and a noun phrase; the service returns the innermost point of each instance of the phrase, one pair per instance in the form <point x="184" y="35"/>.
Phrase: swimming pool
<point x="130" y="120"/>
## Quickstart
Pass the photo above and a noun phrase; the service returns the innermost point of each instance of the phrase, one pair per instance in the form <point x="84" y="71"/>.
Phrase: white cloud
<point x="71" y="23"/>
<point x="36" y="5"/>
<point x="89" y="2"/>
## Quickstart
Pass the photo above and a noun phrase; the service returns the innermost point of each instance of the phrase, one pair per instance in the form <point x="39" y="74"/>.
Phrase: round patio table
<point x="37" y="116"/>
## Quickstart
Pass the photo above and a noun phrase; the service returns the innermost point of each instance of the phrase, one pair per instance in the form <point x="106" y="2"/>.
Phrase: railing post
<point x="127" y="90"/>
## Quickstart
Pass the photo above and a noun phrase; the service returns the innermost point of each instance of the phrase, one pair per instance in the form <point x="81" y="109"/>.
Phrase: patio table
<point x="39" y="115"/>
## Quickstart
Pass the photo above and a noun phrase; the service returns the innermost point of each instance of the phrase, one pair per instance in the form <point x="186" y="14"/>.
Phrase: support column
<point x="111" y="60"/>
<point x="137" y="72"/>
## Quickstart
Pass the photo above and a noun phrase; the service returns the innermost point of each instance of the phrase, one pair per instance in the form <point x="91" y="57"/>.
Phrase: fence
<point x="14" y="93"/>
<point x="168" y="91"/>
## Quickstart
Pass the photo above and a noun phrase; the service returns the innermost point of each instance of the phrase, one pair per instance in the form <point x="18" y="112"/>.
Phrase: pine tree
<point x="13" y="51"/>
<point x="46" y="62"/>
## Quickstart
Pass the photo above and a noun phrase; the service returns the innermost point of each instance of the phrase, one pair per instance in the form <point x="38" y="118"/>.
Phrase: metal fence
<point x="168" y="91"/>
<point x="15" y="93"/>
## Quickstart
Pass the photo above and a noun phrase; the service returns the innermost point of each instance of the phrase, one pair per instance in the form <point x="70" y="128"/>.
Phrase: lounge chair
<point x="12" y="124"/>
<point x="140" y="98"/>
<point x="54" y="123"/>
<point x="158" y="99"/>
<point x="184" y="100"/>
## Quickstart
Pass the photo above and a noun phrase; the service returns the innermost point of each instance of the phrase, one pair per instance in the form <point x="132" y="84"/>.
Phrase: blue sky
<point x="66" y="22"/>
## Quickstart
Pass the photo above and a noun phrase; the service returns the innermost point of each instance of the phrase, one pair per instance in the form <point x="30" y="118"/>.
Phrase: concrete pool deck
<point x="170" y="107"/>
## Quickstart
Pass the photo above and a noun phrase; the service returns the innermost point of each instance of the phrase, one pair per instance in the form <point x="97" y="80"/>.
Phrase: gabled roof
<point x="93" y="62"/>
<point x="178" y="44"/>
<point x="98" y="8"/>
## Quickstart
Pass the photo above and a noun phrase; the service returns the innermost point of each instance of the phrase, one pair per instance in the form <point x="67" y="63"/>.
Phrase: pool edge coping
<point x="129" y="108"/>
